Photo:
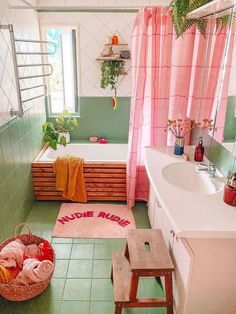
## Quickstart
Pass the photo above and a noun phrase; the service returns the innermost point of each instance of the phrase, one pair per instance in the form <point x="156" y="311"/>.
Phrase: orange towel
<point x="60" y="167"/>
<point x="70" y="178"/>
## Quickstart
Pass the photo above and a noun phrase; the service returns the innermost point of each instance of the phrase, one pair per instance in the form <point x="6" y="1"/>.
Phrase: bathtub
<point x="104" y="171"/>
<point x="93" y="152"/>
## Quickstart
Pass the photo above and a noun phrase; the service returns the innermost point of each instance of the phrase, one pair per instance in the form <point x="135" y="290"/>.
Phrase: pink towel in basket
<point x="12" y="254"/>
<point x="34" y="271"/>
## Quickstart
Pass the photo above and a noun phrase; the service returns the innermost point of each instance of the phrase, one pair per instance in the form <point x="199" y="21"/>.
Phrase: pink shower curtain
<point x="165" y="74"/>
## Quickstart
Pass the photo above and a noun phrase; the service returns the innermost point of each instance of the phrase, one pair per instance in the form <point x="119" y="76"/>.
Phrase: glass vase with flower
<point x="179" y="128"/>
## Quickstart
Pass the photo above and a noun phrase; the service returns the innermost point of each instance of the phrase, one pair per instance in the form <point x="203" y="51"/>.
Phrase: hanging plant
<point x="110" y="71"/>
<point x="179" y="10"/>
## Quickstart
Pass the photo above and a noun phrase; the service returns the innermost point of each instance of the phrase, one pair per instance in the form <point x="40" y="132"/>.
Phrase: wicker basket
<point x="15" y="292"/>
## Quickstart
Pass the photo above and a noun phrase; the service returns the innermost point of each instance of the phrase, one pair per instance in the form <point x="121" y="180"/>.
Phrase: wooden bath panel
<point x="104" y="181"/>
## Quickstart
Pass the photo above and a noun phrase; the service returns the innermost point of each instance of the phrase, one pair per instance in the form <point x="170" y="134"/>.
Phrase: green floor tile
<point x="62" y="240"/>
<point x="62" y="251"/>
<point x="140" y="216"/>
<point x="105" y="241"/>
<point x="136" y="311"/>
<point x="9" y="307"/>
<point x="55" y="289"/>
<point x="85" y="241"/>
<point x="61" y="268"/>
<point x="52" y="307"/>
<point x="120" y="245"/>
<point x="101" y="268"/>
<point x="80" y="269"/>
<point x="102" y="290"/>
<point x="104" y="250"/>
<point x="160" y="310"/>
<point x="82" y="251"/>
<point x="72" y="290"/>
<point x="141" y="289"/>
<point x="101" y="307"/>
<point x="152" y="288"/>
<point x="77" y="289"/>
<point x="75" y="307"/>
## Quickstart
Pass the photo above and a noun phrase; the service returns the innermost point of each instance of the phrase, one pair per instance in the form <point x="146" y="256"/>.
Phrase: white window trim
<point x="45" y="26"/>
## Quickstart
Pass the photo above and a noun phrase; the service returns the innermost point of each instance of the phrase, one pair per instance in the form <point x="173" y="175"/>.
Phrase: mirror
<point x="217" y="97"/>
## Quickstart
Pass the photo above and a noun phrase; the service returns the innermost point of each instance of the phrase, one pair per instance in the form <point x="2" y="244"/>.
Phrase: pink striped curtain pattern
<point x="167" y="83"/>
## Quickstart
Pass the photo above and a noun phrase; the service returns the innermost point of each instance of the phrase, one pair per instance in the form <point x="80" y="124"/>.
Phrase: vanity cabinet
<point x="202" y="267"/>
<point x="177" y="249"/>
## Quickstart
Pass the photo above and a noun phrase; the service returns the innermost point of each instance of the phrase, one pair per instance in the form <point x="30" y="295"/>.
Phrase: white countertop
<point x="191" y="214"/>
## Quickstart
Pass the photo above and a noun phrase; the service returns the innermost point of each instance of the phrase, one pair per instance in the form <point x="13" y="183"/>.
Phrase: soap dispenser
<point x="230" y="191"/>
<point x="199" y="150"/>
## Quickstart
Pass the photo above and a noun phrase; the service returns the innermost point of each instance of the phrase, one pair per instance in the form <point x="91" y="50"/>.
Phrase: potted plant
<point x="110" y="71"/>
<point x="179" y="10"/>
<point x="58" y="131"/>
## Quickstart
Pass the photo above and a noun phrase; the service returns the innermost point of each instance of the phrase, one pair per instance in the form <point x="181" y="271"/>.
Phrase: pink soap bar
<point x="103" y="140"/>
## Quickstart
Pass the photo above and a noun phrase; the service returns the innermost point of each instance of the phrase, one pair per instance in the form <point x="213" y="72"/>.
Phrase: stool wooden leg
<point x="169" y="293"/>
<point x="134" y="287"/>
<point x="118" y="309"/>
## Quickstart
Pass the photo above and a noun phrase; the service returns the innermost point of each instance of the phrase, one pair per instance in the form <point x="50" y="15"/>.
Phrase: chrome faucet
<point x="210" y="169"/>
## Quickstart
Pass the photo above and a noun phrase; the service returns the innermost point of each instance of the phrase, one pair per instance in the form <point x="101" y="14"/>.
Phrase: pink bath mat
<point x="93" y="221"/>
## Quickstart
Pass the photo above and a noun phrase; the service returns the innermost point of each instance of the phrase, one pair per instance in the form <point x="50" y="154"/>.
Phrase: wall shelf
<point x="110" y="59"/>
<point x="210" y="8"/>
<point x="113" y="45"/>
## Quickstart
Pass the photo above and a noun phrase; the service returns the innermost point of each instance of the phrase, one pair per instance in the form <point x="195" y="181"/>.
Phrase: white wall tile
<point x="25" y="24"/>
<point x="89" y="3"/>
<point x="72" y="3"/>
<point x="94" y="28"/>
<point x="108" y="3"/>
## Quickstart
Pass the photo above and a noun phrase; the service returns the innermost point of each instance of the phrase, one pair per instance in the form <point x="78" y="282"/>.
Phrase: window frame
<point x="43" y="28"/>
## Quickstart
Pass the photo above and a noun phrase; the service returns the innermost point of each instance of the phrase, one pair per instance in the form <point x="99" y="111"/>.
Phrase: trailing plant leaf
<point x="110" y="71"/>
<point x="179" y="10"/>
<point x="62" y="141"/>
<point x="223" y="21"/>
<point x="202" y="26"/>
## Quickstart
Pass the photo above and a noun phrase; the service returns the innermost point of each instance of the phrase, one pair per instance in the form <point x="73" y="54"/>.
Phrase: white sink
<point x="184" y="176"/>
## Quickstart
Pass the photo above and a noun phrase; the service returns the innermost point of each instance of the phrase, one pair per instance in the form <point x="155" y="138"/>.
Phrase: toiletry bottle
<point x="230" y="191"/>
<point x="115" y="40"/>
<point x="199" y="151"/>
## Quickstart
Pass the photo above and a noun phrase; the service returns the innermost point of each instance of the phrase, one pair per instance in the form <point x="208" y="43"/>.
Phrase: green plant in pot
<point x="58" y="131"/>
<point x="179" y="10"/>
<point x="110" y="71"/>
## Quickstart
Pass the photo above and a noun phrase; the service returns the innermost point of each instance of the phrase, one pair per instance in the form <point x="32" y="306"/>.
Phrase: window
<point x="63" y="83"/>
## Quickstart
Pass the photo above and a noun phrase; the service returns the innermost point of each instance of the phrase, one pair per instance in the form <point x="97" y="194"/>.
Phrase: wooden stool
<point x="146" y="255"/>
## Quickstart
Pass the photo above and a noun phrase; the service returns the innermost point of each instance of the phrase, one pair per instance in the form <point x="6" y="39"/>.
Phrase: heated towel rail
<point x="18" y="78"/>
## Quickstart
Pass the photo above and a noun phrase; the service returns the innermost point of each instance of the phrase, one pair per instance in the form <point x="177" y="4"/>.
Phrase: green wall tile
<point x="215" y="152"/>
<point x="97" y="117"/>
<point x="230" y="119"/>
<point x="20" y="141"/>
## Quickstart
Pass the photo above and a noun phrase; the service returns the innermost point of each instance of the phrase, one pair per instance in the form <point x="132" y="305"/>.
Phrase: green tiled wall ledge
<point x="97" y="117"/>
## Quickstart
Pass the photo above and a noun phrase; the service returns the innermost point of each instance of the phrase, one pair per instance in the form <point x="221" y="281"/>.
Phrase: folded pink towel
<point x="34" y="271"/>
<point x="12" y="254"/>
<point x="32" y="250"/>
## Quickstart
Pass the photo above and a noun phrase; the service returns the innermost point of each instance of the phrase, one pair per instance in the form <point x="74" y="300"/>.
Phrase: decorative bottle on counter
<point x="230" y="191"/>
<point x="199" y="151"/>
